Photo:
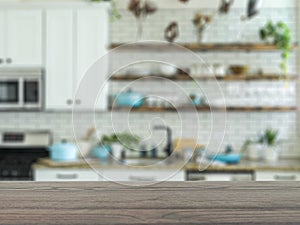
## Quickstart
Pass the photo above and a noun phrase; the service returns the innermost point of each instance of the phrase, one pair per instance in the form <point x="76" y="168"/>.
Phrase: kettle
<point x="63" y="152"/>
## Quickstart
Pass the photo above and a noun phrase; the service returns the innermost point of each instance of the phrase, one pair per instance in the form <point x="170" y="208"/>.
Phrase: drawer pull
<point x="67" y="176"/>
<point x="136" y="178"/>
<point x="282" y="177"/>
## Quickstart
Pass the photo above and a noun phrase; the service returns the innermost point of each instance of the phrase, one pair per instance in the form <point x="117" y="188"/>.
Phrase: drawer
<point x="142" y="175"/>
<point x="277" y="176"/>
<point x="219" y="177"/>
<point x="65" y="175"/>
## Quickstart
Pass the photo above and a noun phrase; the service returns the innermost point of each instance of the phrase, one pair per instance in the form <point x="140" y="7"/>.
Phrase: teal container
<point x="102" y="152"/>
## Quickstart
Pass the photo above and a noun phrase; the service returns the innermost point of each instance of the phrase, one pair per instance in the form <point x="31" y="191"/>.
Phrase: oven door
<point x="11" y="95"/>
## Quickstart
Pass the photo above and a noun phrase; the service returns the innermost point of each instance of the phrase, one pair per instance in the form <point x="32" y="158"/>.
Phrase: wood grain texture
<point x="205" y="109"/>
<point x="184" y="77"/>
<point x="231" y="47"/>
<point x="164" y="203"/>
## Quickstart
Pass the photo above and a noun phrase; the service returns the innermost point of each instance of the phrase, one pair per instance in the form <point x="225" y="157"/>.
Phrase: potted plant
<point x="271" y="151"/>
<point x="116" y="143"/>
<point x="278" y="34"/>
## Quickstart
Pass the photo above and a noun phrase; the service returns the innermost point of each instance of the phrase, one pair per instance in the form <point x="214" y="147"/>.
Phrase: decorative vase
<point x="271" y="154"/>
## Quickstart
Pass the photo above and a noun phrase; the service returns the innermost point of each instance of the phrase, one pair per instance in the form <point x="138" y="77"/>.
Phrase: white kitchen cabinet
<point x="277" y="176"/>
<point x="62" y="175"/>
<point x="2" y="38"/>
<point x="59" y="59"/>
<point x="142" y="175"/>
<point x="76" y="39"/>
<point x="21" y="37"/>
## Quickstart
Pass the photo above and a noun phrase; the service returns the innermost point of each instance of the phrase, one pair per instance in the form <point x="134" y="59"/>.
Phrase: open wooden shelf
<point x="227" y="47"/>
<point x="183" y="77"/>
<point x="206" y="109"/>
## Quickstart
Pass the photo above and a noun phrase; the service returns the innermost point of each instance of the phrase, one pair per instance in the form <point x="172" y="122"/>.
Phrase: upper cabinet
<point x="21" y="37"/>
<point x="59" y="59"/>
<point x="76" y="39"/>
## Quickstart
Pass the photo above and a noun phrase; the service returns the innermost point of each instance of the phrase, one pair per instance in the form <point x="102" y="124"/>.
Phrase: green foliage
<point x="270" y="137"/>
<point x="281" y="35"/>
<point x="125" y="139"/>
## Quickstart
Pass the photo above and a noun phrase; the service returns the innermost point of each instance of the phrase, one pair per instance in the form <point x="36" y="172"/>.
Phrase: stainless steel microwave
<point x="21" y="89"/>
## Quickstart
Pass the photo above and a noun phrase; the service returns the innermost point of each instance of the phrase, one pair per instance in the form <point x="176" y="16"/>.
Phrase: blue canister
<point x="102" y="152"/>
<point x="63" y="152"/>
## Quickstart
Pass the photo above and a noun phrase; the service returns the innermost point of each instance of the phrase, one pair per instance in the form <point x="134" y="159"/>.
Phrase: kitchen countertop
<point x="164" y="203"/>
<point x="244" y="166"/>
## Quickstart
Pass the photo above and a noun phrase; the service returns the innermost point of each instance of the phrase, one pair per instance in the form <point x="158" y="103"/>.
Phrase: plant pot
<point x="117" y="150"/>
<point x="255" y="152"/>
<point x="271" y="154"/>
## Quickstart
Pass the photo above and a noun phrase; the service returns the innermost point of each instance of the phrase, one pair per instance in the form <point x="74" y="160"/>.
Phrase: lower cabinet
<point x="277" y="176"/>
<point x="63" y="175"/>
<point x="138" y="175"/>
<point x="142" y="175"/>
<point x="219" y="176"/>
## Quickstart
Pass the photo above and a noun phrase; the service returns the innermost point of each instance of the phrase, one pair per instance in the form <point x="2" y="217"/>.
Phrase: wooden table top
<point x="164" y="203"/>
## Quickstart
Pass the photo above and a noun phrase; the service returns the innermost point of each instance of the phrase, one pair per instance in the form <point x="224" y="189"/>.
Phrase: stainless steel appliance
<point x="19" y="150"/>
<point x="21" y="89"/>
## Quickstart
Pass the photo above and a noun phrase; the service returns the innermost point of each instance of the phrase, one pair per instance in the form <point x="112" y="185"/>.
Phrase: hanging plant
<point x="280" y="35"/>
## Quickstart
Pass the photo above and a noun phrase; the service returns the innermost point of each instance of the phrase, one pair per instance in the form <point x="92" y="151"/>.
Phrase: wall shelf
<point x="205" y="109"/>
<point x="226" y="47"/>
<point x="184" y="77"/>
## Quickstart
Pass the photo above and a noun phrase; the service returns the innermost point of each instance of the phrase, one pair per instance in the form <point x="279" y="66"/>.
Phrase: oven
<point x="19" y="150"/>
<point x="21" y="89"/>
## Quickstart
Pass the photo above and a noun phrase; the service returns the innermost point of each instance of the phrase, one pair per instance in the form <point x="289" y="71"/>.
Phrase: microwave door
<point x="32" y="93"/>
<point x="10" y="95"/>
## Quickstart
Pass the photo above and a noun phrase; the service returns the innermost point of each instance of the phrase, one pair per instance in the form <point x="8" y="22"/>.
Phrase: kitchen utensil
<point x="130" y="99"/>
<point x="63" y="151"/>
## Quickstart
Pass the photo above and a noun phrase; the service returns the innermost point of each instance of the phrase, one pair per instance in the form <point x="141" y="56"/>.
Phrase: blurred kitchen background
<point x="260" y="95"/>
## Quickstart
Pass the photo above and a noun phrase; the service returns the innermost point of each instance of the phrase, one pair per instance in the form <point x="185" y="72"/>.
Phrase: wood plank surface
<point x="226" y="47"/>
<point x="184" y="77"/>
<point x="205" y="109"/>
<point x="164" y="203"/>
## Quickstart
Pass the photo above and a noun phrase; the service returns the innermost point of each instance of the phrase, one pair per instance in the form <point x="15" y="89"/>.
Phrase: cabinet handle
<point x="282" y="177"/>
<point x="78" y="102"/>
<point x="69" y="102"/>
<point x="67" y="176"/>
<point x="137" y="178"/>
<point x="8" y="60"/>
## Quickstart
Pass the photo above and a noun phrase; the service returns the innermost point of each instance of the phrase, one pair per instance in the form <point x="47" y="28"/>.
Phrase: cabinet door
<point x="92" y="41"/>
<point x="2" y="37"/>
<point x="142" y="175"/>
<point x="64" y="175"/>
<point x="59" y="59"/>
<point x="277" y="176"/>
<point x="24" y="37"/>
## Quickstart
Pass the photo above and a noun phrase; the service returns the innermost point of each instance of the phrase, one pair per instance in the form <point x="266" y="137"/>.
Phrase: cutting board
<point x="77" y="163"/>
